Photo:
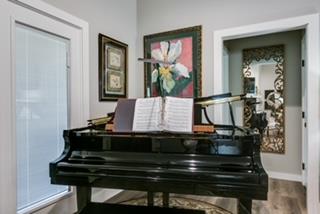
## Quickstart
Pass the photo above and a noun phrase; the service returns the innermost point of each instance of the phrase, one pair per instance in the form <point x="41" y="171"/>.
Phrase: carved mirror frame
<point x="273" y="141"/>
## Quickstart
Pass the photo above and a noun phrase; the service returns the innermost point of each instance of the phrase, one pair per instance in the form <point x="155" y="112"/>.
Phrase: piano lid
<point x="89" y="131"/>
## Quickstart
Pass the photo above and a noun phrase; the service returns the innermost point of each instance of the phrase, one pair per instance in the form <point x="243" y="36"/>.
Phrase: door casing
<point x="311" y="25"/>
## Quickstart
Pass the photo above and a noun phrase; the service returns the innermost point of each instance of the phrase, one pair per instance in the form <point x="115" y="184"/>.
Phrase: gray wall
<point x="123" y="19"/>
<point x="116" y="19"/>
<point x="158" y="16"/>
<point x="128" y="21"/>
<point x="290" y="162"/>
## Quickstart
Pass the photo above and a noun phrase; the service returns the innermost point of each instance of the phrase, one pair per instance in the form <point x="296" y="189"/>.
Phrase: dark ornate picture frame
<point x="113" y="69"/>
<point x="190" y="41"/>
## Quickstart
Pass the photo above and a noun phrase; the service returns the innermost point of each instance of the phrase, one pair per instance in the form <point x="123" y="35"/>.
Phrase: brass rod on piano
<point x="209" y="102"/>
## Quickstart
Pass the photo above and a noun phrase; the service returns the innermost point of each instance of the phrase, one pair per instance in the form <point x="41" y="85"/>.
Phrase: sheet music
<point x="147" y="115"/>
<point x="178" y="114"/>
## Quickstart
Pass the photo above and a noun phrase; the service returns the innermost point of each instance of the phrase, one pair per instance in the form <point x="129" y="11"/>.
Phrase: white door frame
<point x="311" y="24"/>
<point x="61" y="16"/>
<point x="9" y="14"/>
<point x="303" y="109"/>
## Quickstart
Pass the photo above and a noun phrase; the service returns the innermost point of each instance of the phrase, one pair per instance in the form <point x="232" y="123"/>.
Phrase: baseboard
<point x="285" y="176"/>
<point x="101" y="195"/>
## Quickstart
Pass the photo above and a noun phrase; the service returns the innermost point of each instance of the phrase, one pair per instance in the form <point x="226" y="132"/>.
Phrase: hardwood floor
<point x="284" y="197"/>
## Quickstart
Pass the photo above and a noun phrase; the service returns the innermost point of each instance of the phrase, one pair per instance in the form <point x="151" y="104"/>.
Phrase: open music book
<point x="154" y="114"/>
<point x="163" y="114"/>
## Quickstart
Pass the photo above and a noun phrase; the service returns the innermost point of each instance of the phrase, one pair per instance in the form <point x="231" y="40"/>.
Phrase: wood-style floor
<point x="284" y="197"/>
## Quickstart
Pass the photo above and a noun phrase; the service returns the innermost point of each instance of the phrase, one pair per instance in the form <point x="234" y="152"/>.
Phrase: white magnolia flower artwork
<point x="171" y="70"/>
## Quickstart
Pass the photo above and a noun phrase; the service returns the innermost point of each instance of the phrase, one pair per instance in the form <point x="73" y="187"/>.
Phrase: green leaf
<point x="180" y="85"/>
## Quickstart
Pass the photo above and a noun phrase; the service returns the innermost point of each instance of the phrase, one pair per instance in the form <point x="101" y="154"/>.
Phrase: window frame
<point x="48" y="201"/>
<point x="56" y="197"/>
<point x="18" y="11"/>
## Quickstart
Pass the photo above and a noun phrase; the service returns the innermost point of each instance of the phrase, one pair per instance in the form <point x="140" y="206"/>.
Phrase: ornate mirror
<point x="263" y="81"/>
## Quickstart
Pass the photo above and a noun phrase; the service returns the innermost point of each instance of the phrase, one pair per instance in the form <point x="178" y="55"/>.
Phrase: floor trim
<point x="285" y="176"/>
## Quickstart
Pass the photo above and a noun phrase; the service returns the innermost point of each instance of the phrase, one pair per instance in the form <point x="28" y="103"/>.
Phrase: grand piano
<point x="224" y="163"/>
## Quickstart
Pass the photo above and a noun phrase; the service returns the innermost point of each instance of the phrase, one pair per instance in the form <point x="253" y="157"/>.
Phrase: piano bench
<point x="104" y="208"/>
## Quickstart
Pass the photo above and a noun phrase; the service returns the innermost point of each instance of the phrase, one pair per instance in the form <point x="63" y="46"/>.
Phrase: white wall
<point x="116" y="19"/>
<point x="11" y="12"/>
<point x="290" y="162"/>
<point x="119" y="19"/>
<point x="158" y="16"/>
<point x="7" y="180"/>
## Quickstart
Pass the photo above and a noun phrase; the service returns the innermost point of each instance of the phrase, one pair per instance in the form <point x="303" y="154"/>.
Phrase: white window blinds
<point x="41" y="111"/>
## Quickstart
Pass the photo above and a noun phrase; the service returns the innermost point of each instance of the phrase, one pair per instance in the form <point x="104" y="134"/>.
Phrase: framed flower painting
<point x="178" y="71"/>
<point x="112" y="69"/>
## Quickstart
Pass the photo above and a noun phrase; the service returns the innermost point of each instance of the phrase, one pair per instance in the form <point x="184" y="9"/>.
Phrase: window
<point x="41" y="111"/>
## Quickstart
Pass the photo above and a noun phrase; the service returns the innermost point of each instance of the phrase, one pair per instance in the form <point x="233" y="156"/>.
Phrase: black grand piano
<point x="224" y="163"/>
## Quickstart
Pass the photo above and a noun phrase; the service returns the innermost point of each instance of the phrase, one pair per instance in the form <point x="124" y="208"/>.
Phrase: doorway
<point x="311" y="25"/>
<point x="272" y="77"/>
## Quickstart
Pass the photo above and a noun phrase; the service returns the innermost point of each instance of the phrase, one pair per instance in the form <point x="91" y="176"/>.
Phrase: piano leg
<point x="83" y="197"/>
<point x="165" y="199"/>
<point x="150" y="198"/>
<point x="244" y="206"/>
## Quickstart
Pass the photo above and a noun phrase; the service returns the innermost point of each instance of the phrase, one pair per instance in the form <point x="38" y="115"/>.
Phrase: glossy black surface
<point x="201" y="164"/>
